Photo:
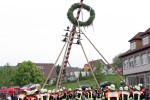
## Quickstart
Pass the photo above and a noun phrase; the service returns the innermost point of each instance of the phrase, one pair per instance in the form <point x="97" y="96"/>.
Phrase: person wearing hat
<point x="37" y="94"/>
<point x="120" y="92"/>
<point x="136" y="94"/>
<point x="125" y="94"/>
<point x="112" y="94"/>
<point x="79" y="94"/>
<point x="61" y="95"/>
<point x="27" y="97"/>
<point x="32" y="95"/>
<point x="69" y="94"/>
<point x="43" y="94"/>
<point x="91" y="94"/>
<point x="142" y="90"/>
<point x="86" y="94"/>
<point x="22" y="95"/>
<point x="98" y="94"/>
<point x="52" y="94"/>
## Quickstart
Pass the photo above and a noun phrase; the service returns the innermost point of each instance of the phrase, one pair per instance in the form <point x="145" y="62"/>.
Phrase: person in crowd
<point x="136" y="93"/>
<point x="79" y="94"/>
<point x="69" y="94"/>
<point x="8" y="97"/>
<point x="14" y="96"/>
<point x="142" y="90"/>
<point x="98" y="94"/>
<point x="22" y="95"/>
<point x="120" y="92"/>
<point x="112" y="94"/>
<point x="126" y="94"/>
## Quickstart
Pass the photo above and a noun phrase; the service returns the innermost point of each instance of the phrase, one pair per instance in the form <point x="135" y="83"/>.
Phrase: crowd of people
<point x="107" y="93"/>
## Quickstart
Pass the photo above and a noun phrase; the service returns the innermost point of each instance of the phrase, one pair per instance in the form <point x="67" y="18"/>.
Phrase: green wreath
<point x="74" y="20"/>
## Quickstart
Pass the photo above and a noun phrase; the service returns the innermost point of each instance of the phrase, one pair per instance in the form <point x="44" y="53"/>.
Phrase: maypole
<point x="72" y="33"/>
<point x="71" y="37"/>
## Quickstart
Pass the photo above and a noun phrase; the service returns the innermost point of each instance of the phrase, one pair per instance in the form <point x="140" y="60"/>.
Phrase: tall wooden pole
<point x="72" y="33"/>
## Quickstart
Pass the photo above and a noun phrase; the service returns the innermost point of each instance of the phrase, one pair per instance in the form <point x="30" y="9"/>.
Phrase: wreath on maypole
<point x="77" y="22"/>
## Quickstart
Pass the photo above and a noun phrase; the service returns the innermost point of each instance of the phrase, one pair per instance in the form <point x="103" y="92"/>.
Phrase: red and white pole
<point x="72" y="33"/>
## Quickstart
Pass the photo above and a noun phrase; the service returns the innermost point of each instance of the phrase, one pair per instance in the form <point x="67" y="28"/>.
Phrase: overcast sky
<point x="33" y="29"/>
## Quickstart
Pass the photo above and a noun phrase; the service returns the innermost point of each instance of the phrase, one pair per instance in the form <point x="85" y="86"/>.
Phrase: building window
<point x="145" y="40"/>
<point x="137" y="61"/>
<point x="148" y="81"/>
<point x="141" y="80"/>
<point x="131" y="63"/>
<point x="125" y="64"/>
<point x="132" y="45"/>
<point x="143" y="59"/>
<point x="132" y="81"/>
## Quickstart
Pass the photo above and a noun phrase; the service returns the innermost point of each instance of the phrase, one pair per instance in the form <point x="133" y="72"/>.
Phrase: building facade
<point x="45" y="68"/>
<point x="136" y="61"/>
<point x="106" y="68"/>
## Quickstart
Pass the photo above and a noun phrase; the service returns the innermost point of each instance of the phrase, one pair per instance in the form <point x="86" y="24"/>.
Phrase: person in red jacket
<point x="112" y="94"/>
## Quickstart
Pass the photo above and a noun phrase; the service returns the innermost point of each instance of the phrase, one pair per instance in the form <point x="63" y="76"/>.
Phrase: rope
<point x="104" y="58"/>
<point x="53" y="66"/>
<point x="89" y="65"/>
<point x="61" y="68"/>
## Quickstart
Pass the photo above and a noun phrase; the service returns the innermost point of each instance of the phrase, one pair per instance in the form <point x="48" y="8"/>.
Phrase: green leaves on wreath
<point x="74" y="20"/>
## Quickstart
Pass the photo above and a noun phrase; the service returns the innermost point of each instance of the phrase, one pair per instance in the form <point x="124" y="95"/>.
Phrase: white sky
<point x="33" y="29"/>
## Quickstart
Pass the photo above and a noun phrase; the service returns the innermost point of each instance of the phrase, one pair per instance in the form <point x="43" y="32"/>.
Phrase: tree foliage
<point x="26" y="73"/>
<point x="80" y="75"/>
<point x="117" y="62"/>
<point x="6" y="75"/>
<point x="99" y="74"/>
<point x="58" y="69"/>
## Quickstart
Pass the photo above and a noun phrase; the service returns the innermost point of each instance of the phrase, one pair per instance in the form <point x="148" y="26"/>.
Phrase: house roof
<point x="135" y="50"/>
<point x="137" y="36"/>
<point x="72" y="69"/>
<point x="93" y="62"/>
<point x="46" y="68"/>
<point x="146" y="32"/>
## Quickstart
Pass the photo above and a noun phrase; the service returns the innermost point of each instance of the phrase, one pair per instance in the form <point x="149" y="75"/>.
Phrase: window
<point x="141" y="80"/>
<point x="130" y="81"/>
<point x="137" y="61"/>
<point x="145" y="40"/>
<point x="125" y="64"/>
<point x="143" y="59"/>
<point x="132" y="45"/>
<point x="148" y="81"/>
<point x="131" y="63"/>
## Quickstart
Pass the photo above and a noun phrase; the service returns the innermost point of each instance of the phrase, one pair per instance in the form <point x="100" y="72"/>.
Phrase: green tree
<point x="80" y="75"/>
<point x="7" y="74"/>
<point x="58" y="69"/>
<point x="99" y="74"/>
<point x="117" y="62"/>
<point x="27" y="72"/>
